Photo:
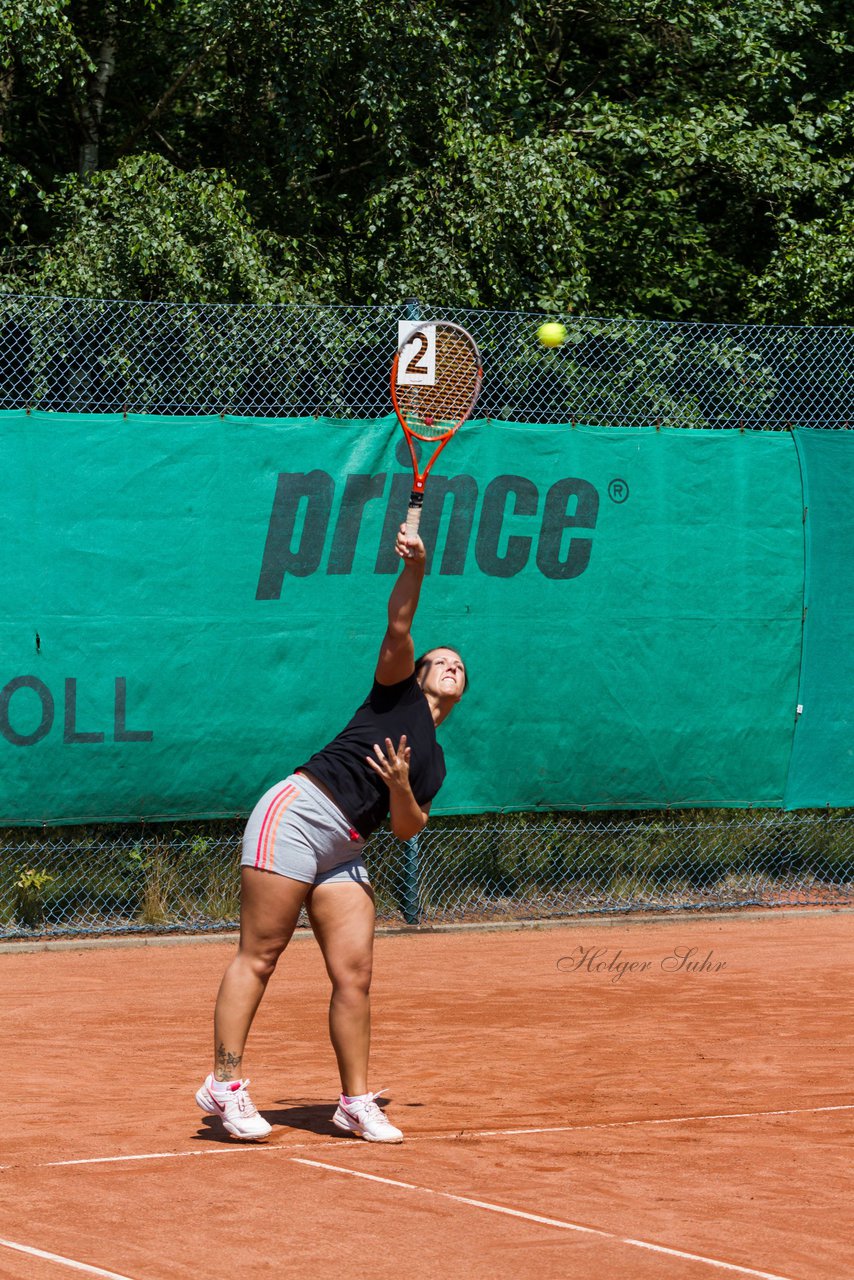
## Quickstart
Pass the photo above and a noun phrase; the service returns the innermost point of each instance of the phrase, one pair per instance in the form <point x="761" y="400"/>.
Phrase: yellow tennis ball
<point x="551" y="334"/>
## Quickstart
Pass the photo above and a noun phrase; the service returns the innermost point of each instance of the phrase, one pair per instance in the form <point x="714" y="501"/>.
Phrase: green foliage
<point x="29" y="888"/>
<point x="810" y="276"/>
<point x="493" y="219"/>
<point x="39" y="38"/>
<point x="18" y="190"/>
<point x="146" y="230"/>
<point x="637" y="157"/>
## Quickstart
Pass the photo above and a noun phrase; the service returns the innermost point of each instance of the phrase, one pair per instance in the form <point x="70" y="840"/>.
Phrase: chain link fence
<point x="83" y="356"/>
<point x="477" y="870"/>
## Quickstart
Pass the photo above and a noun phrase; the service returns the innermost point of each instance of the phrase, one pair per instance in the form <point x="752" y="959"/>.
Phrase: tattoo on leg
<point x="227" y="1064"/>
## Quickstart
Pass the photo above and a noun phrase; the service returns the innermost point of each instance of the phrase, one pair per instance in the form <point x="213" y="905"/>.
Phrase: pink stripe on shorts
<point x="270" y="825"/>
<point x="296" y="830"/>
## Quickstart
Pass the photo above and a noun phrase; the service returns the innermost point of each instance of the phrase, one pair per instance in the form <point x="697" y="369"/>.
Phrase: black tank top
<point x="388" y="711"/>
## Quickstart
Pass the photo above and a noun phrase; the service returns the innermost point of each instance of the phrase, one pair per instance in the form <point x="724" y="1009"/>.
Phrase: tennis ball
<point x="551" y="334"/>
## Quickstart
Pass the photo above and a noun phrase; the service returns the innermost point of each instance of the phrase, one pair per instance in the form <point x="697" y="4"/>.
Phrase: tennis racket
<point x="435" y="382"/>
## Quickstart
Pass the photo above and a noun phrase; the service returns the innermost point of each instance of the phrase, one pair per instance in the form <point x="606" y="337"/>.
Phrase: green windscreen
<point x="822" y="768"/>
<point x="191" y="606"/>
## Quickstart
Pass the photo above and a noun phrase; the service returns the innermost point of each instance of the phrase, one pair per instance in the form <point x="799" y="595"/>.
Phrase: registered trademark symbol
<point x="618" y="491"/>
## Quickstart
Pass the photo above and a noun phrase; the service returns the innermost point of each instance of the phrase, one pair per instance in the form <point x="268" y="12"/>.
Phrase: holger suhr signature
<point x="611" y="962"/>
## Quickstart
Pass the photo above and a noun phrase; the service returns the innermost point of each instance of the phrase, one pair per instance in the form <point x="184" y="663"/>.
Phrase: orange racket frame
<point x="434" y="411"/>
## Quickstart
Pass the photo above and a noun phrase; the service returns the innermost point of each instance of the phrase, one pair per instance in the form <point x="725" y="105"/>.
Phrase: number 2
<point x="413" y="368"/>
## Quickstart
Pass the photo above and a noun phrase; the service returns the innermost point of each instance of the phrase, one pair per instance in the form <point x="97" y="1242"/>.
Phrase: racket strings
<point x="433" y="411"/>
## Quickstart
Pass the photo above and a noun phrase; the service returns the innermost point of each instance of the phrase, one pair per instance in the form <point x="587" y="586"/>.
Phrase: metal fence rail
<point x="497" y="867"/>
<point x="85" y="356"/>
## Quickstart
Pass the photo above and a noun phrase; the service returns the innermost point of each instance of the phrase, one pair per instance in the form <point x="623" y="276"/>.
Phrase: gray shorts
<point x="297" y="831"/>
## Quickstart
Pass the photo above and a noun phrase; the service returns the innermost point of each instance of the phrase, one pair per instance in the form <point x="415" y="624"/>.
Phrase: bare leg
<point x="269" y="909"/>
<point x="342" y="917"/>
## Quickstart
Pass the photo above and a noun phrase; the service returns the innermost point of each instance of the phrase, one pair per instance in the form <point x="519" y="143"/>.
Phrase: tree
<point x="146" y="230"/>
<point x="640" y="157"/>
<point x="810" y="276"/>
<point x="493" y="219"/>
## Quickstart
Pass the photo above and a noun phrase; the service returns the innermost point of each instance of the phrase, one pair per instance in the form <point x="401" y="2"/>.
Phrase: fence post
<point x="411" y="908"/>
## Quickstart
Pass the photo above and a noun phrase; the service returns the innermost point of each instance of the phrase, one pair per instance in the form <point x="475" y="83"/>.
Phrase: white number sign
<point x="417" y="364"/>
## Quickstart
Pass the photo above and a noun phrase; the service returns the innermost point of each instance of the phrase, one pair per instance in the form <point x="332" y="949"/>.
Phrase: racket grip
<point x="413" y="515"/>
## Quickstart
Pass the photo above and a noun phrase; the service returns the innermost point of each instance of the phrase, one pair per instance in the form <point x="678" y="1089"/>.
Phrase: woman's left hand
<point x="393" y="764"/>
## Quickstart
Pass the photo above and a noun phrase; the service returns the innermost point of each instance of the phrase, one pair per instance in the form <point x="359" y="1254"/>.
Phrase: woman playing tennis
<point x="303" y="845"/>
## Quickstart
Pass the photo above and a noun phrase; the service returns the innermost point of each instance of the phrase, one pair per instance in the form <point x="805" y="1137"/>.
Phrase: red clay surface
<point x="707" y="1113"/>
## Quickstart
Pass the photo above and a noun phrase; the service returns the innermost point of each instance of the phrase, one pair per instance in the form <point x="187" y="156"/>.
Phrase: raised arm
<point x="397" y="652"/>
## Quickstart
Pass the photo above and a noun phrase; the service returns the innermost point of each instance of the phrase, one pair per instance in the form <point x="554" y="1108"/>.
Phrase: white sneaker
<point x="365" y="1119"/>
<point x="235" y="1109"/>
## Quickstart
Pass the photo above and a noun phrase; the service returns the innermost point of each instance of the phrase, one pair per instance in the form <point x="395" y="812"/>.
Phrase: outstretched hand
<point x="392" y="765"/>
<point x="409" y="547"/>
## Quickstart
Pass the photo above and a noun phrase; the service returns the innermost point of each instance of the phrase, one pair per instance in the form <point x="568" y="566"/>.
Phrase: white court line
<point x="64" y="1262"/>
<point x="626" y="1124"/>
<point x="227" y="1149"/>
<point x="548" y="1222"/>
<point x="242" y="1148"/>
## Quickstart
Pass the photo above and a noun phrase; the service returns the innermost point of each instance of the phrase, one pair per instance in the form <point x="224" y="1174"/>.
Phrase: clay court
<point x="642" y="1098"/>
